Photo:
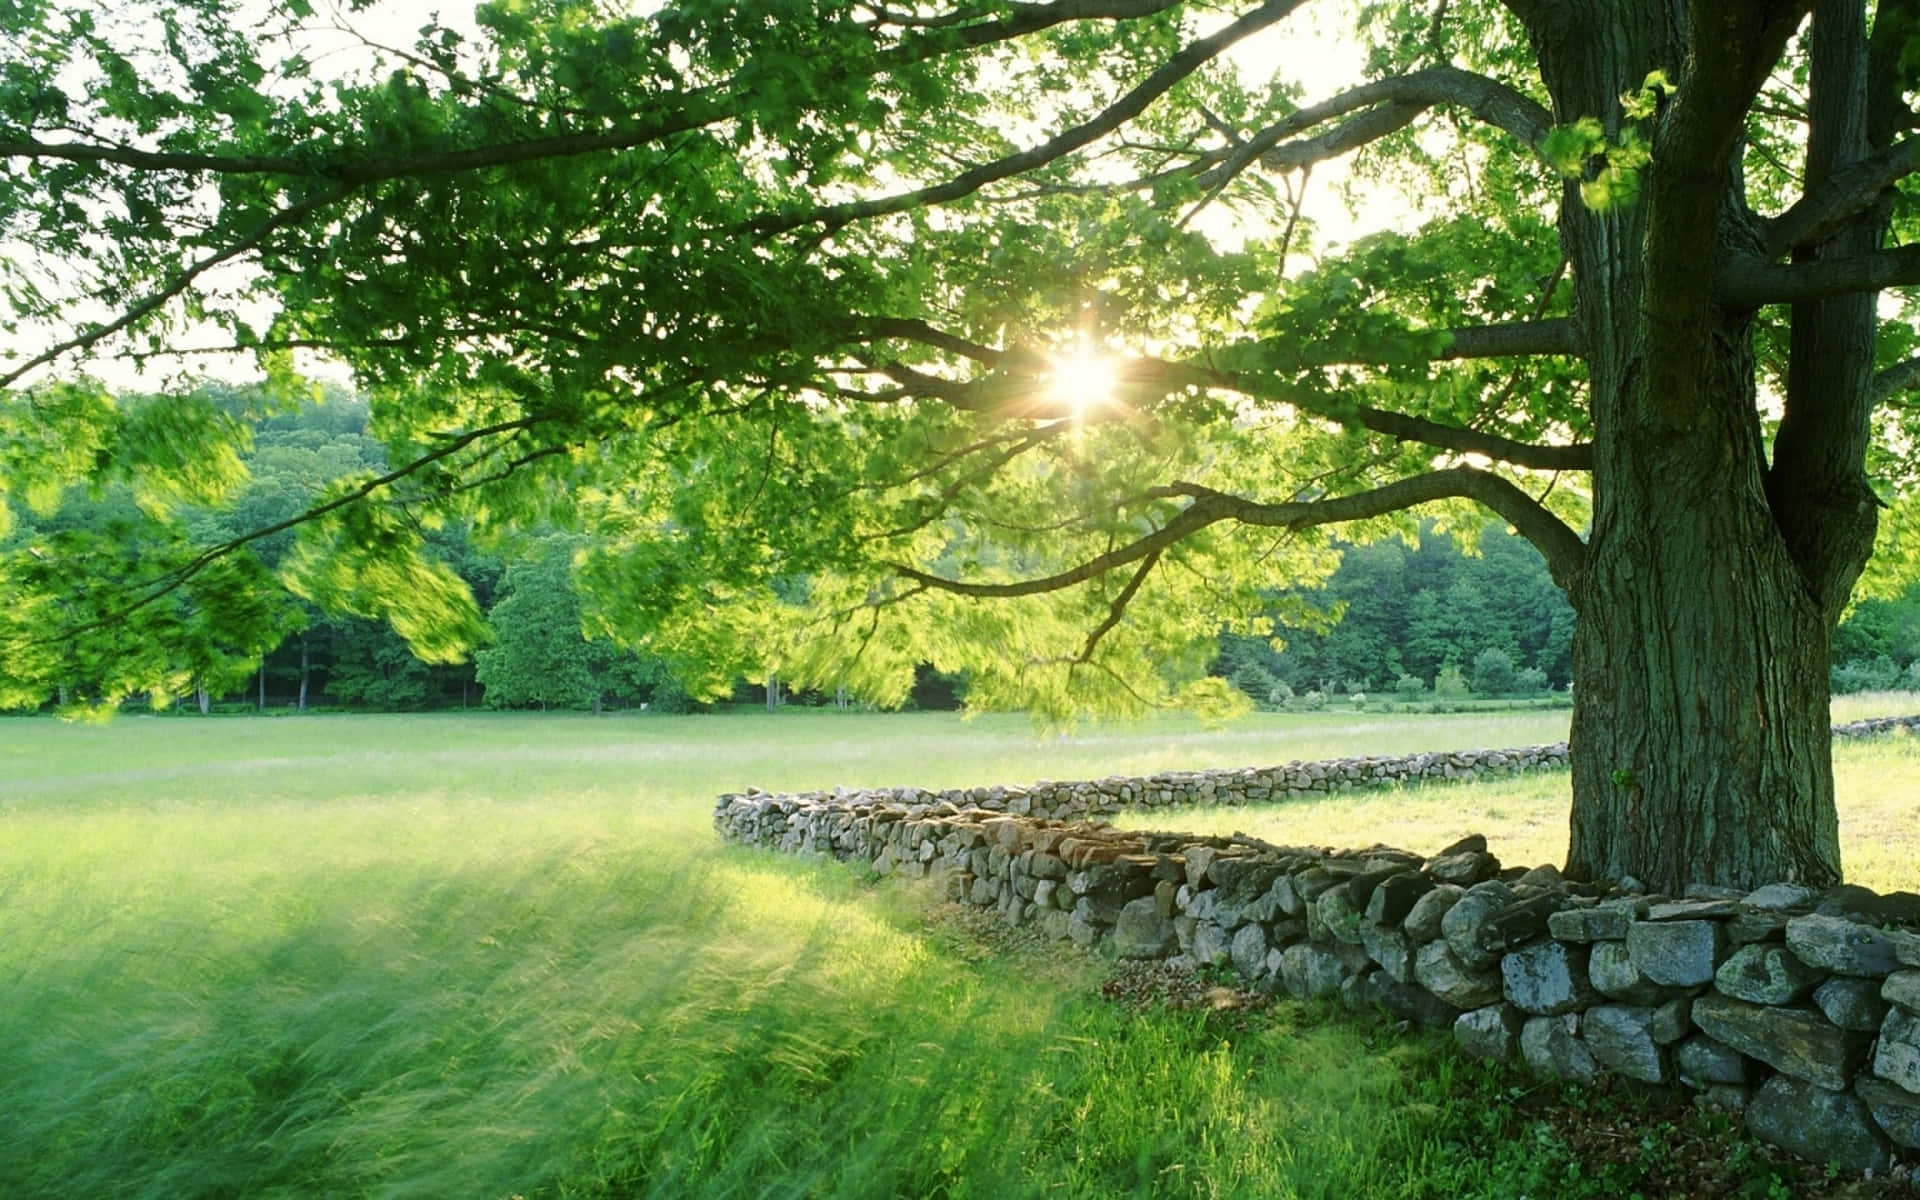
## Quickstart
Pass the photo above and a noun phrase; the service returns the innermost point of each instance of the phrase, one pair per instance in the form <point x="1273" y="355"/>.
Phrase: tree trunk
<point x="263" y="684"/>
<point x="773" y="692"/>
<point x="1700" y="727"/>
<point x="306" y="670"/>
<point x="200" y="694"/>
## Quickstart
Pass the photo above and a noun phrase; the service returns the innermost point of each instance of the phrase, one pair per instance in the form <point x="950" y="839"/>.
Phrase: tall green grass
<point x="491" y="956"/>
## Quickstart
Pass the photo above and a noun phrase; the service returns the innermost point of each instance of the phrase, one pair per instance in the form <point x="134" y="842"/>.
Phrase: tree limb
<point x="1901" y="377"/>
<point x="1564" y="551"/>
<point x="1849" y="191"/>
<point x="1748" y="282"/>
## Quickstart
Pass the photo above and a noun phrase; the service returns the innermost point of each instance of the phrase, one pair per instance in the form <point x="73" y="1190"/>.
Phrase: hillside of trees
<point x="1440" y="617"/>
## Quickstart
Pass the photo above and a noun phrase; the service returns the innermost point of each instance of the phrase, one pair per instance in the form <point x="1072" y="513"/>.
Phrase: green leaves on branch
<point x="1608" y="169"/>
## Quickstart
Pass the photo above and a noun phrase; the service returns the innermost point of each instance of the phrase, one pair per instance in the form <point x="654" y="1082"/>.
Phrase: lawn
<point x="481" y="955"/>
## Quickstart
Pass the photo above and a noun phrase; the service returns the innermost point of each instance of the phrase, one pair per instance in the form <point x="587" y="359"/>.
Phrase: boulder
<point x="1780" y="895"/>
<point x="1903" y="989"/>
<point x="1817" y="1124"/>
<point x="1547" y="978"/>
<point x="1597" y="924"/>
<point x="1763" y="974"/>
<point x="1551" y="1048"/>
<point x="1441" y="972"/>
<point x="1309" y="972"/>
<point x="1142" y="930"/>
<point x="1408" y="1001"/>
<point x="1676" y="953"/>
<point x="1611" y="970"/>
<point x="1390" y="948"/>
<point x="1209" y="943"/>
<point x="1424" y="918"/>
<point x="1895" y="1110"/>
<point x="1898" y="1059"/>
<point x="1249" y="952"/>
<point x="1703" y="1062"/>
<point x="1464" y="921"/>
<point x="1338" y="916"/>
<point x="1396" y="897"/>
<point x="1842" y="946"/>
<point x="1465" y="868"/>
<point x="1851" y="1002"/>
<point x="1796" y="1041"/>
<point x="1490" y="1032"/>
<point x="1621" y="1038"/>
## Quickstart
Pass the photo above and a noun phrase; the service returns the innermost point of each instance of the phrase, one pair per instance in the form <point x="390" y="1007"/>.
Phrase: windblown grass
<point x="490" y="956"/>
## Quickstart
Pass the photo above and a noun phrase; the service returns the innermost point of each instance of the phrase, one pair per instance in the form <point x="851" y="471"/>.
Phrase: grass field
<point x="488" y="956"/>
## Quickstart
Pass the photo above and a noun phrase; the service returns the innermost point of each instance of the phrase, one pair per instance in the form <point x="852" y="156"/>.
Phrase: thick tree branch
<point x="1749" y="282"/>
<point x="1901" y="377"/>
<point x="1848" y="192"/>
<point x="1562" y="548"/>
<point x="1188" y="60"/>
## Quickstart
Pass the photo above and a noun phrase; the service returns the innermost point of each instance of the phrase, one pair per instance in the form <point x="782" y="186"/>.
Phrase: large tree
<point x="784" y="303"/>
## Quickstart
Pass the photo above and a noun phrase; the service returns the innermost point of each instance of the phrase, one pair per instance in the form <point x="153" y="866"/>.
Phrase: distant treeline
<point x="1395" y="620"/>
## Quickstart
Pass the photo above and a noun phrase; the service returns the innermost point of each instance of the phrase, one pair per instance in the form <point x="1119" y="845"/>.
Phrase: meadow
<point x="487" y="956"/>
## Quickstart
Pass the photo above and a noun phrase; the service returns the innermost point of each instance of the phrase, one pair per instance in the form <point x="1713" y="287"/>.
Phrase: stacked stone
<point x="1876" y="726"/>
<point x="1801" y="1009"/>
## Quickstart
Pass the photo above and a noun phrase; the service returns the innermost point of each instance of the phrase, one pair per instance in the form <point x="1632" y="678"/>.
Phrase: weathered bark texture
<point x="1713" y="577"/>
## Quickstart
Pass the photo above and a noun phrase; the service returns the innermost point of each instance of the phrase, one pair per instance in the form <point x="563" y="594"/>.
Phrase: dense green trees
<point x="795" y="290"/>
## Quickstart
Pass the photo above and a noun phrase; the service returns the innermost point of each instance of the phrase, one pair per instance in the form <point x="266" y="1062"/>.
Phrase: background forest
<point x="1463" y="614"/>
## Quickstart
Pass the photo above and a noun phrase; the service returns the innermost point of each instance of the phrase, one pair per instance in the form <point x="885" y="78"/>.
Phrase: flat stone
<point x="1424" y="918"/>
<point x="1310" y="972"/>
<point x="1895" y="1110"/>
<point x="1248" y="951"/>
<point x="1465" y="868"/>
<point x="1285" y="897"/>
<point x="1841" y="946"/>
<point x="1903" y="988"/>
<point x="1906" y="946"/>
<point x="1781" y="895"/>
<point x="1396" y="896"/>
<point x="1547" y="978"/>
<point x="1898" y="1059"/>
<point x="1590" y="924"/>
<point x="1611" y="970"/>
<point x="1210" y="943"/>
<point x="1817" y="1124"/>
<point x="1441" y="972"/>
<point x="1676" y="953"/>
<point x="1692" y="910"/>
<point x="1490" y="1032"/>
<point x="1520" y="922"/>
<point x="1408" y="1001"/>
<point x="1462" y="924"/>
<point x="1620" y="1038"/>
<point x="1143" y="930"/>
<point x="1797" y="1041"/>
<point x="1703" y="1061"/>
<point x="1390" y="948"/>
<point x="1361" y="887"/>
<point x="1852" y="1003"/>
<point x="1756" y="925"/>
<point x="1764" y="974"/>
<point x="1551" y="1048"/>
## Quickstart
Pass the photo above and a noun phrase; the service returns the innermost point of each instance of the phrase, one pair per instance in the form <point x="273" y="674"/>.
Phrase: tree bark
<point x="306" y="669"/>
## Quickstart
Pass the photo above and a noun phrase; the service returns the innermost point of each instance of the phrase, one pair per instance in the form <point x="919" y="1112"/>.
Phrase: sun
<point x="1083" y="380"/>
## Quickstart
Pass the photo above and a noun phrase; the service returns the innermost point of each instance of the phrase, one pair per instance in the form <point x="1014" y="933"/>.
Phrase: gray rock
<point x="1309" y="972"/>
<point x="1703" y="1061"/>
<point x="1520" y="922"/>
<point x="1338" y="916"/>
<point x="1209" y="943"/>
<point x="1408" y="1001"/>
<point x="1611" y="970"/>
<point x="1424" y="918"/>
<point x="1463" y="923"/>
<point x="1389" y="947"/>
<point x="1054" y="924"/>
<point x="1851" y="1002"/>
<point x="1165" y="896"/>
<point x="1841" y="946"/>
<point x="1727" y="1097"/>
<point x="1465" y="868"/>
<point x="1906" y="946"/>
<point x="1084" y="933"/>
<point x="1143" y="931"/>
<point x="1490" y="1032"/>
<point x="1546" y="875"/>
<point x="1547" y="978"/>
<point x="1396" y="896"/>
<point x="1441" y="972"/>
<point x="1676" y="953"/>
<point x="1621" y="1039"/>
<point x="1754" y="925"/>
<point x="1285" y="898"/>
<point x="1796" y="1041"/>
<point x="1590" y="924"/>
<point x="1551" y="1048"/>
<point x="1692" y="910"/>
<point x="1818" y="1124"/>
<point x="1903" y="988"/>
<point x="1249" y="952"/>
<point x="1198" y="859"/>
<point x="1898" y="1059"/>
<point x="1766" y="975"/>
<point x="1780" y="895"/>
<point x="1895" y="1110"/>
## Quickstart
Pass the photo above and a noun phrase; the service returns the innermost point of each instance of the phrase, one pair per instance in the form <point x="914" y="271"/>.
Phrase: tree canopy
<point x="784" y="305"/>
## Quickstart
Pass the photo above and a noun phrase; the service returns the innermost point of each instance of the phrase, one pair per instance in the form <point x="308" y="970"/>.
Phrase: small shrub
<point x="1532" y="680"/>
<point x="1313" y="701"/>
<point x="1867" y="675"/>
<point x="1359" y="700"/>
<point x="1410" y="686"/>
<point x="1493" y="674"/>
<point x="1450" y="683"/>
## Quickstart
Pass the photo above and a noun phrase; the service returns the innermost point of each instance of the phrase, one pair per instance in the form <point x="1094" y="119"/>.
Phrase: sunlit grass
<point x="486" y="956"/>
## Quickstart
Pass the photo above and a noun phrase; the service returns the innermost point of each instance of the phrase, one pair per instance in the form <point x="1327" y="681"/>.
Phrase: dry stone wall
<point x="1800" y="1009"/>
